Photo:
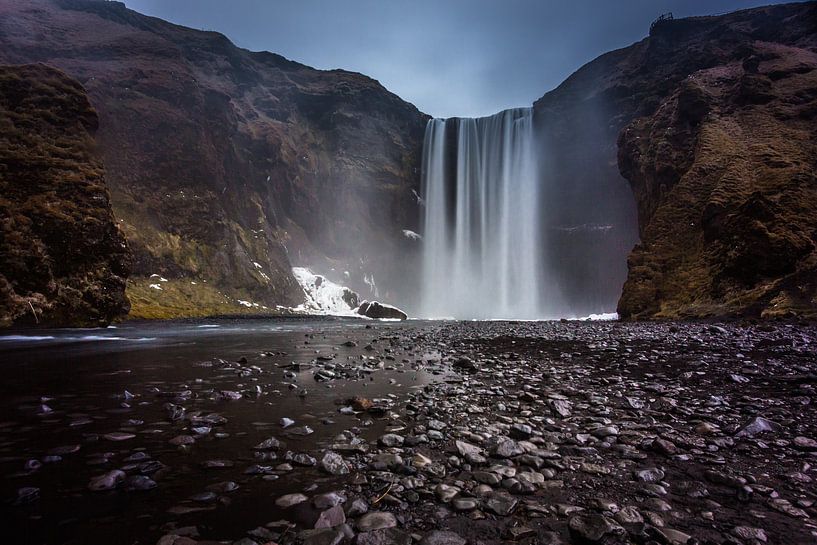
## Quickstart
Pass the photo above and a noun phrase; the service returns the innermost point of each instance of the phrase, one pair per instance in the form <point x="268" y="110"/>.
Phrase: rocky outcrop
<point x="63" y="261"/>
<point x="228" y="167"/>
<point x="726" y="170"/>
<point x="379" y="311"/>
<point x="711" y="120"/>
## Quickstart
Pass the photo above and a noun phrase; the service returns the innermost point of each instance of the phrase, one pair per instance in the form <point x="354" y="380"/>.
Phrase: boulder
<point x="378" y="311"/>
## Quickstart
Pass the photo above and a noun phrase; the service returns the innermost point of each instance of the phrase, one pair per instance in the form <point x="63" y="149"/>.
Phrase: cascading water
<point x="483" y="241"/>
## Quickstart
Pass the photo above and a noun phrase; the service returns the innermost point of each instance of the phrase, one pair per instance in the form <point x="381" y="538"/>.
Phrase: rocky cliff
<point x="63" y="261"/>
<point x="712" y="122"/>
<point x="227" y="167"/>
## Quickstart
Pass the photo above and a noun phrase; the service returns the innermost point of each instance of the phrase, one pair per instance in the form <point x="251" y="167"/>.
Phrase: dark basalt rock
<point x="63" y="260"/>
<point x="377" y="310"/>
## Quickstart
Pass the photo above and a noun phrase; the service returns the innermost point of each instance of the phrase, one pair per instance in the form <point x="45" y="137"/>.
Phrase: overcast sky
<point x="447" y="57"/>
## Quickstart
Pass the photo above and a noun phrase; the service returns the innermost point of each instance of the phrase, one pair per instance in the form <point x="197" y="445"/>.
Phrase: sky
<point x="449" y="58"/>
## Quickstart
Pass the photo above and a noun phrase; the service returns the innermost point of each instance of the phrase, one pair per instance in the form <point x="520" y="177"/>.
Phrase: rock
<point x="560" y="406"/>
<point x="467" y="449"/>
<point x="334" y="464"/>
<point x="328" y="499"/>
<point x="784" y="506"/>
<point x="27" y="494"/>
<point x="446" y="493"/>
<point x="217" y="464"/>
<point x="805" y="443"/>
<point x="508" y="449"/>
<point x="304" y="460"/>
<point x="501" y="504"/>
<point x="465" y="504"/>
<point x="289" y="500"/>
<point x="140" y="482"/>
<point x="380" y="311"/>
<point x="605" y="431"/>
<point x="391" y="440"/>
<point x="442" y="537"/>
<point x="667" y="448"/>
<point x="521" y="431"/>
<point x="357" y="507"/>
<point x="302" y="430"/>
<point x="268" y="444"/>
<point x="672" y="537"/>
<point x="376" y="520"/>
<point x="334" y="516"/>
<point x="108" y="481"/>
<point x="361" y="403"/>
<point x="756" y="426"/>
<point x="595" y="528"/>
<point x="748" y="533"/>
<point x="321" y="536"/>
<point x="119" y="436"/>
<point x="388" y="536"/>
<point x="649" y="475"/>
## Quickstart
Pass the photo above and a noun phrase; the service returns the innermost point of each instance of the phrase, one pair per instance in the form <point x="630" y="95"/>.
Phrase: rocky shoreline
<point x="491" y="432"/>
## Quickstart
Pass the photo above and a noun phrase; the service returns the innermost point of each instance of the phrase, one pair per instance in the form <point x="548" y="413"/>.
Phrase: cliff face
<point x="711" y="120"/>
<point x="63" y="261"/>
<point x="228" y="167"/>
<point x="726" y="175"/>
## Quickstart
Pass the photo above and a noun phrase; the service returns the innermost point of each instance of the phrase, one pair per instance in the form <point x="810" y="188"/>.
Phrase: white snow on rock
<point x="322" y="296"/>
<point x="155" y="286"/>
<point x="603" y="317"/>
<point x="411" y="235"/>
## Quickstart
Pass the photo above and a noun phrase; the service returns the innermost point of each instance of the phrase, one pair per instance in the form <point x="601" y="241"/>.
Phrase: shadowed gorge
<point x="244" y="301"/>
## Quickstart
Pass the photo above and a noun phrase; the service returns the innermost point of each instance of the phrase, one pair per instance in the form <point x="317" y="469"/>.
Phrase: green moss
<point x="184" y="298"/>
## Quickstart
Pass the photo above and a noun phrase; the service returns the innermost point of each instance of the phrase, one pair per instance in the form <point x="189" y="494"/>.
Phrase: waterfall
<point x="483" y="241"/>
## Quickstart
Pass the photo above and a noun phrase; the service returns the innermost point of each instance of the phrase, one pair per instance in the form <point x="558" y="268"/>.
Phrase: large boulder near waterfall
<point x="63" y="260"/>
<point x="711" y="120"/>
<point x="227" y="167"/>
<point x="380" y="311"/>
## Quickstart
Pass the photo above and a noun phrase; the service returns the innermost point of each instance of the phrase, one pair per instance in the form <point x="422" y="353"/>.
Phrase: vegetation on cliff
<point x="63" y="261"/>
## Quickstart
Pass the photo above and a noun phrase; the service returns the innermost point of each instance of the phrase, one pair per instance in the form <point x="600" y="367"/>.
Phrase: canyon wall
<point x="711" y="120"/>
<point x="228" y="167"/>
<point x="63" y="261"/>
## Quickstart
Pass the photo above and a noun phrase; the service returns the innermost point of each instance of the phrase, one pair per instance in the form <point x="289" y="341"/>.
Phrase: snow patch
<point x="322" y="296"/>
<point x="155" y="286"/>
<point x="411" y="235"/>
<point x="603" y="317"/>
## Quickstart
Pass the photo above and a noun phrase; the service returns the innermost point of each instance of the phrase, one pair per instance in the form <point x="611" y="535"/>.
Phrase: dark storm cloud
<point x="448" y="57"/>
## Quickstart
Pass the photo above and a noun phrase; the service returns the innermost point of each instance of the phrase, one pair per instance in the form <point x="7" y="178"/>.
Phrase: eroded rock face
<point x="710" y="120"/>
<point x="63" y="261"/>
<point x="728" y="190"/>
<point x="228" y="167"/>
